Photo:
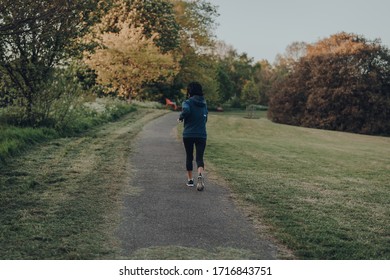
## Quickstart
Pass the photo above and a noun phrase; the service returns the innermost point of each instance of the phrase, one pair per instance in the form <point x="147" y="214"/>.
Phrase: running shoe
<point x="190" y="183"/>
<point x="200" y="184"/>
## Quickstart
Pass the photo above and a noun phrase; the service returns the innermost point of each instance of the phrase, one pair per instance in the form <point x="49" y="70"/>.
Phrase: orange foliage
<point x="343" y="83"/>
<point x="338" y="44"/>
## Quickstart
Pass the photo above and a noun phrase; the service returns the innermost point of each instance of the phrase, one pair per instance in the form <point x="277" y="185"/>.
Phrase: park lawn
<point x="15" y="140"/>
<point x="61" y="198"/>
<point x="323" y="194"/>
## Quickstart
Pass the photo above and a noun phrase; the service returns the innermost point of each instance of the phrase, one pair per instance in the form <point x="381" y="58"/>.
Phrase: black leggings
<point x="200" y="145"/>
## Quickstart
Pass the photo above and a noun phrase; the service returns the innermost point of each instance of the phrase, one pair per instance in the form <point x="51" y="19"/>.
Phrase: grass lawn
<point x="323" y="194"/>
<point x="60" y="199"/>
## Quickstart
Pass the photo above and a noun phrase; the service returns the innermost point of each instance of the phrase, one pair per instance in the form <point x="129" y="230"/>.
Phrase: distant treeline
<point x="54" y="53"/>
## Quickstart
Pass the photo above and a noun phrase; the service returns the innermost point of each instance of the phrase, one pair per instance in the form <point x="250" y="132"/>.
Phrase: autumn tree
<point x="154" y="16"/>
<point x="157" y="17"/>
<point x="342" y="83"/>
<point x="128" y="59"/>
<point x="197" y="24"/>
<point x="146" y="35"/>
<point x="283" y="65"/>
<point x="35" y="37"/>
<point x="293" y="53"/>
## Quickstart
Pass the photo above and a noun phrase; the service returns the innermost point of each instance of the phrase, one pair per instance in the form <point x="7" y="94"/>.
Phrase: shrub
<point x="343" y="83"/>
<point x="14" y="140"/>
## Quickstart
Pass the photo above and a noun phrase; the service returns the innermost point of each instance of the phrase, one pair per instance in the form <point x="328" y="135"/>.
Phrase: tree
<point x="293" y="53"/>
<point x="157" y="17"/>
<point x="127" y="60"/>
<point x="225" y="86"/>
<point x="285" y="63"/>
<point x="136" y="40"/>
<point x="201" y="68"/>
<point x="197" y="24"/>
<point x="250" y="93"/>
<point x="237" y="69"/>
<point x="343" y="83"/>
<point x="264" y="76"/>
<point x="37" y="36"/>
<point x="197" y="21"/>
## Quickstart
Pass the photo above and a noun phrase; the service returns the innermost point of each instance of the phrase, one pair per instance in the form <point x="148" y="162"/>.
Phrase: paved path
<point x="165" y="212"/>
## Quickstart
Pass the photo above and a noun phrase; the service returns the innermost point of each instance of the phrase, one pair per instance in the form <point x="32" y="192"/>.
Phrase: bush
<point x="343" y="84"/>
<point x="53" y="106"/>
<point x="94" y="113"/>
<point x="15" y="140"/>
<point x="235" y="102"/>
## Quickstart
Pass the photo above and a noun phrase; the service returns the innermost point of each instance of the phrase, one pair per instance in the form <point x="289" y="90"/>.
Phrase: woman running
<point x="194" y="115"/>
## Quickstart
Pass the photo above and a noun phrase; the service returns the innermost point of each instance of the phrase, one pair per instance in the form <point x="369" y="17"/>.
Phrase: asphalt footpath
<point x="160" y="210"/>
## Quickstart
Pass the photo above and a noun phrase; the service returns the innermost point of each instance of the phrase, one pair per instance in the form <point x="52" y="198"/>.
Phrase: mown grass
<point x="323" y="194"/>
<point x="61" y="199"/>
<point x="16" y="140"/>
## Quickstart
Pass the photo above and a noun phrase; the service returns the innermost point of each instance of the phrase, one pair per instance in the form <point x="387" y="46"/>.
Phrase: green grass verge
<point x="16" y="140"/>
<point x="323" y="194"/>
<point x="61" y="199"/>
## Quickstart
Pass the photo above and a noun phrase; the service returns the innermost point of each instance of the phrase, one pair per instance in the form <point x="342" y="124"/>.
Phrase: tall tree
<point x="240" y="70"/>
<point x="265" y="76"/>
<point x="343" y="83"/>
<point x="225" y="85"/>
<point x="36" y="36"/>
<point x="127" y="60"/>
<point x="197" y="23"/>
<point x="251" y="93"/>
<point x="293" y="53"/>
<point x="157" y="17"/>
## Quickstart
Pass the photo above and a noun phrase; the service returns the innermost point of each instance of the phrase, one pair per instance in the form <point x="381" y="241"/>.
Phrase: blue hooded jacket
<point x="194" y="115"/>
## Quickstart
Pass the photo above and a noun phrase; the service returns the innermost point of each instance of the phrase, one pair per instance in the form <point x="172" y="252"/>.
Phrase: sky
<point x="264" y="28"/>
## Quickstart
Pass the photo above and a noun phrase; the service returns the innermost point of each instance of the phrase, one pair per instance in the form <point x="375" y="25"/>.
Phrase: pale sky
<point x="264" y="28"/>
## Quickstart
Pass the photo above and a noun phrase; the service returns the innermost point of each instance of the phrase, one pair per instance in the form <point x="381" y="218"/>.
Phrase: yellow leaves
<point x="136" y="71"/>
<point x="338" y="44"/>
<point x="128" y="59"/>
